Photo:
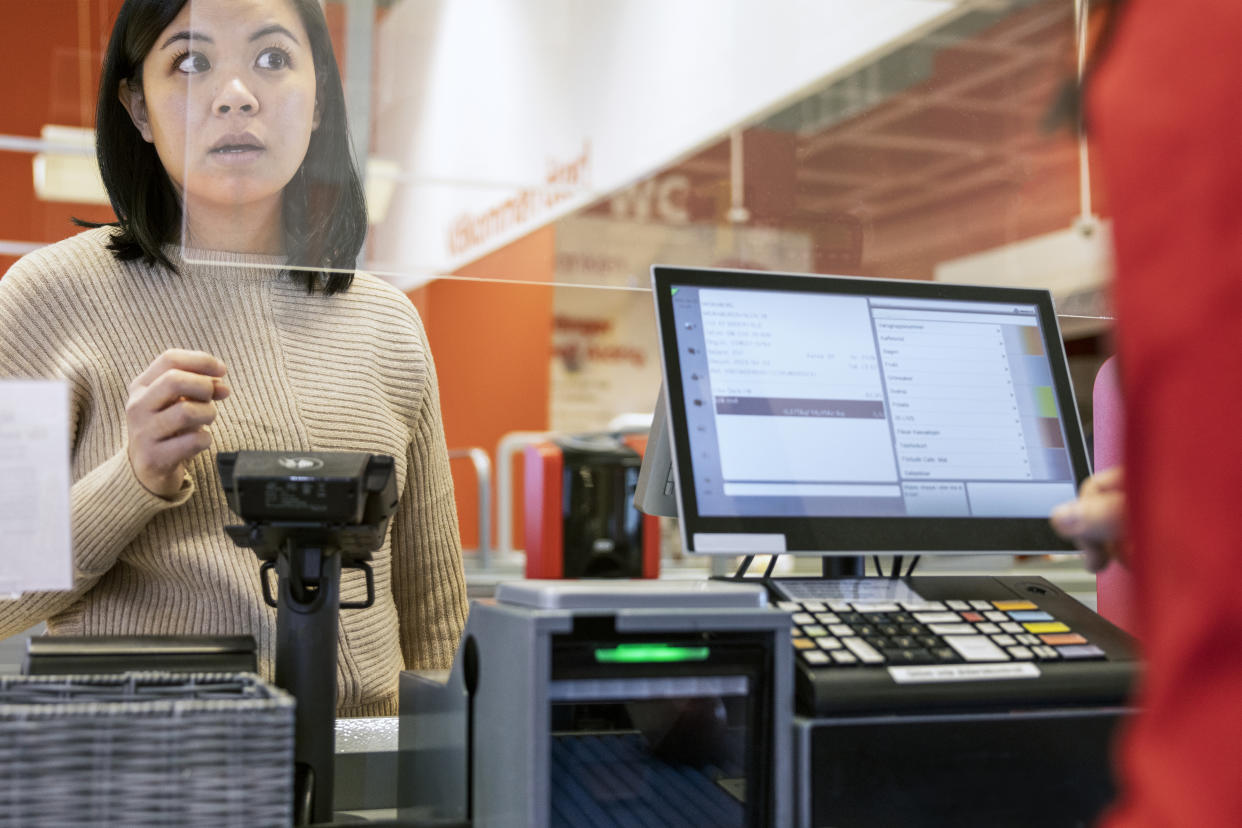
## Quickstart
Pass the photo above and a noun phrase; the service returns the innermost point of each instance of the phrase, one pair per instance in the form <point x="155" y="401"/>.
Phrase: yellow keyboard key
<point x="1038" y="627"/>
<point x="1006" y="606"/>
<point x="803" y="644"/>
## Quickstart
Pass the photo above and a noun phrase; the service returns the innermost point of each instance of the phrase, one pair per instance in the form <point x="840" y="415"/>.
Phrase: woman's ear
<point x="135" y="104"/>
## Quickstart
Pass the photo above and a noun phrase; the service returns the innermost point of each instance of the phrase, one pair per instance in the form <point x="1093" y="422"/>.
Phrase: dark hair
<point x="325" y="218"/>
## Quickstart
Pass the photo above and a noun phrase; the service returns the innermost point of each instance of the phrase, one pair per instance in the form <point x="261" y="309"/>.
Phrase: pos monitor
<point x="834" y="415"/>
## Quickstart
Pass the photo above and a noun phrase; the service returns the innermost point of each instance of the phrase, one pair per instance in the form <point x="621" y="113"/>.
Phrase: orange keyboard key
<point x="803" y="644"/>
<point x="1006" y="606"/>
<point x="1063" y="638"/>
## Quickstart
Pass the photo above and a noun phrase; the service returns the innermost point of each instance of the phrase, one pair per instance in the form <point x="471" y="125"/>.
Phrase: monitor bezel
<point x="860" y="535"/>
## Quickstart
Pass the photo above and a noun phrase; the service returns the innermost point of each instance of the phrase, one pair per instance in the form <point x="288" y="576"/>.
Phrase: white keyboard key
<point x="844" y="657"/>
<point x="921" y="606"/>
<point x="828" y="643"/>
<point x="815" y="657"/>
<point x="814" y="606"/>
<point x="865" y="652"/>
<point x="937" y="617"/>
<point x="981" y="605"/>
<point x="1021" y="653"/>
<point x="840" y="630"/>
<point x="958" y="605"/>
<point x="1013" y="627"/>
<point x="803" y="618"/>
<point x="814" y="630"/>
<point x="951" y="629"/>
<point x="987" y="629"/>
<point x="837" y="605"/>
<point x="1004" y="640"/>
<point x="876" y="607"/>
<point x="996" y="616"/>
<point x="788" y="606"/>
<point x="827" y="618"/>
<point x="975" y="648"/>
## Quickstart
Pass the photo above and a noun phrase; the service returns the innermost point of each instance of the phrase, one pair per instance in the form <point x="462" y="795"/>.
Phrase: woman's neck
<point x="247" y="228"/>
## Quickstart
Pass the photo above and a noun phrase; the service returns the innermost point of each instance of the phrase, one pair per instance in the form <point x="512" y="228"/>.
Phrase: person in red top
<point x="1165" y="114"/>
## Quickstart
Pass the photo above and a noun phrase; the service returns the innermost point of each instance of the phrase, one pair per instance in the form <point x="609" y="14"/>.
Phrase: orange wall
<point x="52" y="51"/>
<point x="491" y="342"/>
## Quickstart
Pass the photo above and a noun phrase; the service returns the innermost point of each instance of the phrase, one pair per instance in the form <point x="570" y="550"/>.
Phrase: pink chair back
<point x="1113" y="589"/>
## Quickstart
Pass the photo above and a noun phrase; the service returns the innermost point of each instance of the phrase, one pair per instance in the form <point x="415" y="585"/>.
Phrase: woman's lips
<point x="237" y="148"/>
<point x="236" y="153"/>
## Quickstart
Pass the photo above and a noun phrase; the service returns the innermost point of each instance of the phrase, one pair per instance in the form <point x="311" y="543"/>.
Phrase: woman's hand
<point x="170" y="406"/>
<point x="1094" y="521"/>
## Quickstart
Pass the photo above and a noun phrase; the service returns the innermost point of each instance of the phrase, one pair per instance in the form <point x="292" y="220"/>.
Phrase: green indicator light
<point x="674" y="290"/>
<point x="647" y="653"/>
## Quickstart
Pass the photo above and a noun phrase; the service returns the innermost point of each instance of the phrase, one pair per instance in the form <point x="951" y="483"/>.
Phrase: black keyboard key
<point x="945" y="655"/>
<point x="903" y="656"/>
<point x="904" y="642"/>
<point x="913" y="629"/>
<point x="928" y="641"/>
<point x="889" y="629"/>
<point x="864" y="630"/>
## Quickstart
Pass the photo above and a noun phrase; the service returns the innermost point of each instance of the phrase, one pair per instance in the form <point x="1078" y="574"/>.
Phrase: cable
<point x="895" y="571"/>
<point x="879" y="570"/>
<point x="741" y="570"/>
<point x="913" y="563"/>
<point x="767" y="573"/>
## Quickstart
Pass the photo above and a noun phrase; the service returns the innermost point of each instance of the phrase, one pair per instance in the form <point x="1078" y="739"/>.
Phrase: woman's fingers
<point x="193" y="362"/>
<point x="171" y="405"/>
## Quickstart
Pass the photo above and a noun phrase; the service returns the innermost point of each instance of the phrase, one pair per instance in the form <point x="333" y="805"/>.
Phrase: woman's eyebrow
<point x="274" y="28"/>
<point x="186" y="35"/>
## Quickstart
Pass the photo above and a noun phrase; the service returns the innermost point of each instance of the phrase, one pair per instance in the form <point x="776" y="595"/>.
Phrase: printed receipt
<point x="35" y="545"/>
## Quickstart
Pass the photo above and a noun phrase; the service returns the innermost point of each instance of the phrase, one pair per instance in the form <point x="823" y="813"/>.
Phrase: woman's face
<point x="228" y="99"/>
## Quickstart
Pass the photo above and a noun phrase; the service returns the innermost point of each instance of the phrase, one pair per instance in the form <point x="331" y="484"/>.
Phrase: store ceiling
<point x="934" y="123"/>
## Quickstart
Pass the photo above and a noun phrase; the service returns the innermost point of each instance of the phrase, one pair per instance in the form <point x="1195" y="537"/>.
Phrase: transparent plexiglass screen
<point x="896" y="138"/>
<point x="523" y="163"/>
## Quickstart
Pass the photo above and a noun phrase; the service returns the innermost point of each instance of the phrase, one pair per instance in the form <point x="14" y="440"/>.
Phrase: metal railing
<point x="483" y="478"/>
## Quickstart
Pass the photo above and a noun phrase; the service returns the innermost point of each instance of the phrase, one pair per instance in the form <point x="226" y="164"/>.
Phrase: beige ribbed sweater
<point x="349" y="372"/>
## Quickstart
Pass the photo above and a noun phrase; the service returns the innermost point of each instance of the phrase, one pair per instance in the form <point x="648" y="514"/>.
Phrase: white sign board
<point x="35" y="545"/>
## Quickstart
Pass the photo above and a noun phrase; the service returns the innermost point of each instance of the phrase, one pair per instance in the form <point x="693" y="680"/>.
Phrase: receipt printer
<point x="576" y="703"/>
<point x="581" y="521"/>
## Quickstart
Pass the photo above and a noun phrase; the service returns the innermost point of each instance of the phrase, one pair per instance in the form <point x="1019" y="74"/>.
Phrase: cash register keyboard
<point x="843" y="634"/>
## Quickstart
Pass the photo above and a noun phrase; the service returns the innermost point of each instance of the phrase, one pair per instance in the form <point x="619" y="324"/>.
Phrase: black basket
<point x="137" y="749"/>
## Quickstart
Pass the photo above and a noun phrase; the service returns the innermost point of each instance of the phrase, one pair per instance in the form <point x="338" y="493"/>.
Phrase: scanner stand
<point x="308" y="529"/>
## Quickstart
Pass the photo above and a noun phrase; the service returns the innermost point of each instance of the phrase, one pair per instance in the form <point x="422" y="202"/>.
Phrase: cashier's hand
<point x="1094" y="521"/>
<point x="171" y="405"/>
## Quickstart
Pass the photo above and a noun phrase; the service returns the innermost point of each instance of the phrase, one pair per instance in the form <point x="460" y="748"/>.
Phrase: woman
<point x="201" y="322"/>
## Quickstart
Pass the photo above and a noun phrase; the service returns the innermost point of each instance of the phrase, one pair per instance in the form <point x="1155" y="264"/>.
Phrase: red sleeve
<point x="1166" y="116"/>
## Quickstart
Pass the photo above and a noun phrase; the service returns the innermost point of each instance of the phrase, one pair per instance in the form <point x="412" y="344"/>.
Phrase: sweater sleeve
<point x="109" y="507"/>
<point x="429" y="585"/>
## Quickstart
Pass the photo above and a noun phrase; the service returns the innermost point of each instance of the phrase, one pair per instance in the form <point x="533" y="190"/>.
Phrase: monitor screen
<point x="827" y="414"/>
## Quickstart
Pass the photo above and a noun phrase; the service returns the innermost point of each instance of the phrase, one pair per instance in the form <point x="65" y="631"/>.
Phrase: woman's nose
<point x="235" y="96"/>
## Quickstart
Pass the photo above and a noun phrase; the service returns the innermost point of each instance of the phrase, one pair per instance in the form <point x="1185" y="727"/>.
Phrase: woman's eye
<point x="273" y="59"/>
<point x="191" y="63"/>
